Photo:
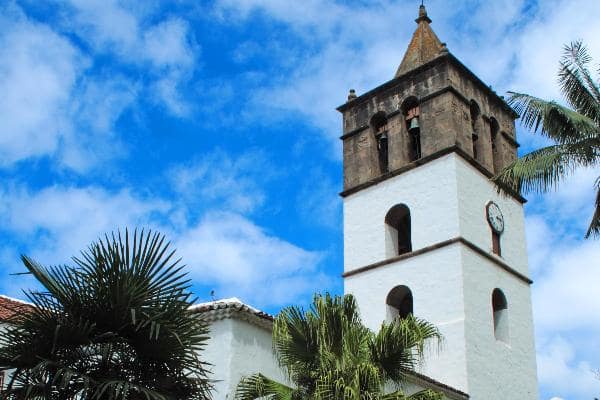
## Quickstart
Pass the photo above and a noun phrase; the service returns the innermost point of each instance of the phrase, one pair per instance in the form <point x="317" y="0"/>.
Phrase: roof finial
<point x="422" y="14"/>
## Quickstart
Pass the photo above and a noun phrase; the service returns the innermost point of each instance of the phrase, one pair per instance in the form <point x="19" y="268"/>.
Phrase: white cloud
<point x="165" y="49"/>
<point x="58" y="221"/>
<point x="39" y="70"/>
<point x="55" y="103"/>
<point x="224" y="250"/>
<point x="318" y="200"/>
<point x="565" y="294"/>
<point x="226" y="182"/>
<point x="565" y="272"/>
<point x="562" y="374"/>
<point x="245" y="261"/>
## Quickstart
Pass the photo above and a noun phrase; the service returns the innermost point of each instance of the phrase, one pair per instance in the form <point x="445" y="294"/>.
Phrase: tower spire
<point x="424" y="45"/>
<point x="423" y="14"/>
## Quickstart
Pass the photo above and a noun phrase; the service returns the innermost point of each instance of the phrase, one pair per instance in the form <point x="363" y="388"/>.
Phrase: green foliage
<point x="576" y="132"/>
<point x="115" y="326"/>
<point x="328" y="354"/>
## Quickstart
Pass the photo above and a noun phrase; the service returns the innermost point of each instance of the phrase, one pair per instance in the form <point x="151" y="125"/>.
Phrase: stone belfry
<point x="426" y="232"/>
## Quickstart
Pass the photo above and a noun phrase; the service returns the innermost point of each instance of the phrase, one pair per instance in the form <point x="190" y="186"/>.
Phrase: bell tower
<point x="426" y="232"/>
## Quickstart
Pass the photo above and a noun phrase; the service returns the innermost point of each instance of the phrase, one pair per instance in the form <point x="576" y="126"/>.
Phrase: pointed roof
<point x="424" y="45"/>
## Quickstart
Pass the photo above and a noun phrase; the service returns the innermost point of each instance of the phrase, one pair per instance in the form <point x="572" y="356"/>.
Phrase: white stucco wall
<point x="435" y="280"/>
<point x="238" y="348"/>
<point x="452" y="285"/>
<point x="474" y="193"/>
<point x="3" y="326"/>
<point x="496" y="369"/>
<point x="430" y="193"/>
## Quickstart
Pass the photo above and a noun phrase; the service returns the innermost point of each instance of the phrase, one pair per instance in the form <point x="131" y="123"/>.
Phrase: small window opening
<point x="500" y="314"/>
<point x="398" y="235"/>
<point x="496" y="243"/>
<point x="494" y="129"/>
<point x="380" y="128"/>
<point x="412" y="114"/>
<point x="475" y="121"/>
<point x="399" y="303"/>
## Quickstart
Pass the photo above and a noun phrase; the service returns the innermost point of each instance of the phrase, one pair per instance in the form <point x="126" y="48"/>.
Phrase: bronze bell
<point x="414" y="124"/>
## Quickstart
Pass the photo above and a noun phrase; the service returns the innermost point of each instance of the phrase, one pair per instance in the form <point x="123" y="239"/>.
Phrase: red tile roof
<point x="10" y="307"/>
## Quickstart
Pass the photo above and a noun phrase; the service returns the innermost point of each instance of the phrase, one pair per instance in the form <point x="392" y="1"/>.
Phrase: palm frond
<point x="328" y="354"/>
<point x="399" y="346"/>
<point x="421" y="395"/>
<point x="543" y="169"/>
<point x="557" y="122"/>
<point x="116" y="325"/>
<point x="259" y="386"/>
<point x="577" y="83"/>
<point x="594" y="227"/>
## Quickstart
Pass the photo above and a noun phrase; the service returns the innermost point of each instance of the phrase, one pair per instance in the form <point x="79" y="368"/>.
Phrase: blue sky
<point x="215" y="123"/>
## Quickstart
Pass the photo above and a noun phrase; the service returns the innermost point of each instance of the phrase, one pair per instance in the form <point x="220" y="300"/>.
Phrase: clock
<point x="494" y="217"/>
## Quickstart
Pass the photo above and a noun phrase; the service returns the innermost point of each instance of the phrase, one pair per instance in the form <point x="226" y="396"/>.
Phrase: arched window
<point x="500" y="312"/>
<point x="399" y="303"/>
<point x="379" y="124"/>
<point x="494" y="129"/>
<point x="475" y="129"/>
<point x="412" y="113"/>
<point x="398" y="239"/>
<point x="496" y="248"/>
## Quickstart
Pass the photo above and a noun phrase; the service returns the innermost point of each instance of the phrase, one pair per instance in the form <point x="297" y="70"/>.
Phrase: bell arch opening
<point x="412" y="114"/>
<point x="494" y="130"/>
<point x="475" y="114"/>
<point x="379" y="124"/>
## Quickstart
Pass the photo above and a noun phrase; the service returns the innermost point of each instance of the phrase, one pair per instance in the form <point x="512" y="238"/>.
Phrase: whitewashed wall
<point x="238" y="348"/>
<point x="436" y="281"/>
<point x="451" y="286"/>
<point x="430" y="192"/>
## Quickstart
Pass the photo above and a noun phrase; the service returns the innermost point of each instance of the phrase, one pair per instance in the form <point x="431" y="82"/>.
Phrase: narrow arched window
<point x="496" y="248"/>
<point x="412" y="114"/>
<point x="500" y="314"/>
<point x="475" y="129"/>
<point x="379" y="123"/>
<point x="398" y="236"/>
<point x="399" y="303"/>
<point x="494" y="129"/>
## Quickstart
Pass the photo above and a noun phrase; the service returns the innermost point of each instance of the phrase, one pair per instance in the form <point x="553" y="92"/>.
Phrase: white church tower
<point x="425" y="231"/>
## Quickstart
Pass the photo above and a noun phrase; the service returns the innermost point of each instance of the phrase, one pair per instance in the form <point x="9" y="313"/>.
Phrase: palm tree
<point x="328" y="354"/>
<point x="575" y="132"/>
<point x="114" y="326"/>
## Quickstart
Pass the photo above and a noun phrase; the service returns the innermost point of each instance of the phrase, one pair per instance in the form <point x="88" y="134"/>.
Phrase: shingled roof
<point x="424" y="45"/>
<point x="233" y="308"/>
<point x="10" y="307"/>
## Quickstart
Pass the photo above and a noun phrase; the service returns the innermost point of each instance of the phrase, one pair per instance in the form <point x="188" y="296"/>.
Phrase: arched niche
<point x="398" y="231"/>
<point x="399" y="303"/>
<point x="500" y="315"/>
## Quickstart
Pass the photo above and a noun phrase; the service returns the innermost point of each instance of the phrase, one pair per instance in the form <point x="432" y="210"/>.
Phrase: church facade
<point x="425" y="232"/>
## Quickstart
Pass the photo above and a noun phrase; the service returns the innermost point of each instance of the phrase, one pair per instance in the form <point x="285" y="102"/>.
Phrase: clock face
<point x="494" y="217"/>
